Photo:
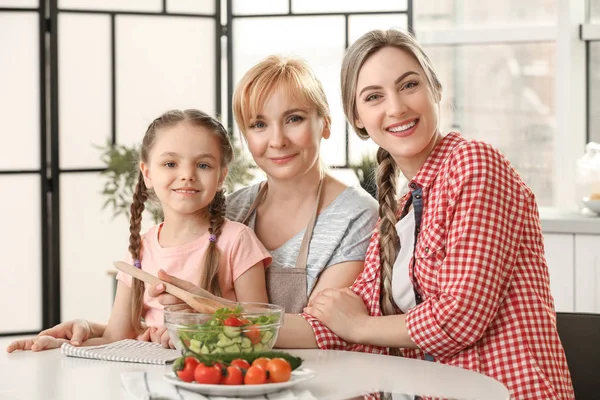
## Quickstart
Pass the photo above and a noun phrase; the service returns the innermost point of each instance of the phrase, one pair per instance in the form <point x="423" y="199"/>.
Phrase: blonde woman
<point x="455" y="272"/>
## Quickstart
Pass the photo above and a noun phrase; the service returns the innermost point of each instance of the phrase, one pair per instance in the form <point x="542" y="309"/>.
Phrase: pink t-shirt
<point x="240" y="250"/>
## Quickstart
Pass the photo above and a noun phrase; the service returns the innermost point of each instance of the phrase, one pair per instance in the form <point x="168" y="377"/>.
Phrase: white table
<point x="340" y="375"/>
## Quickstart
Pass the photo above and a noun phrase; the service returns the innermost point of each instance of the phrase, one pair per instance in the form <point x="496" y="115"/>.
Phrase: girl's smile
<point x="186" y="192"/>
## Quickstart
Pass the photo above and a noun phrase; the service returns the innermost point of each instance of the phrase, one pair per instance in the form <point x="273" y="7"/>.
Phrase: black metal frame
<point x="231" y="17"/>
<point x="50" y="171"/>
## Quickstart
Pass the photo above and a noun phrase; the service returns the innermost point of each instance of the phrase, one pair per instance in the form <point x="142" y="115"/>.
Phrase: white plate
<point x="593" y="205"/>
<point x="299" y="375"/>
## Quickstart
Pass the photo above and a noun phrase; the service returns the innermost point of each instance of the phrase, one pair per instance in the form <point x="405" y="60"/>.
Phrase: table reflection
<point x="400" y="396"/>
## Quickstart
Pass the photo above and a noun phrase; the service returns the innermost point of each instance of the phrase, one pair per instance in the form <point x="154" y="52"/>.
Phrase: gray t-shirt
<point x="342" y="230"/>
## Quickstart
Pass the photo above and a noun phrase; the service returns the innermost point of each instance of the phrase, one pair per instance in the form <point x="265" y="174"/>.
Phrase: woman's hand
<point x="165" y="298"/>
<point x="157" y="335"/>
<point x="341" y="310"/>
<point x="75" y="331"/>
<point x="38" y="343"/>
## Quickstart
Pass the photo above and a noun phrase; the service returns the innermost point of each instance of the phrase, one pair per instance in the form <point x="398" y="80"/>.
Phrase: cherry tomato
<point x="241" y="363"/>
<point x="245" y="321"/>
<point x="205" y="374"/>
<point x="279" y="370"/>
<point x="255" y="376"/>
<point x="232" y="321"/>
<point x="220" y="366"/>
<point x="253" y="333"/>
<point x="189" y="367"/>
<point x="222" y="369"/>
<point x="233" y="376"/>
<point x="261" y="362"/>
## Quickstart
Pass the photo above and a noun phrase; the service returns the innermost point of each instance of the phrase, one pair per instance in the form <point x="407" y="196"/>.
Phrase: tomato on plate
<point x="233" y="376"/>
<point x="255" y="376"/>
<point x="261" y="362"/>
<point x="239" y="362"/>
<point x="189" y="367"/>
<point x="279" y="370"/>
<point x="253" y="333"/>
<point x="207" y="374"/>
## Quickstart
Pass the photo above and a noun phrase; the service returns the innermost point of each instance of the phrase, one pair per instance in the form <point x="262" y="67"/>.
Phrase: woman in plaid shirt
<point x="462" y="280"/>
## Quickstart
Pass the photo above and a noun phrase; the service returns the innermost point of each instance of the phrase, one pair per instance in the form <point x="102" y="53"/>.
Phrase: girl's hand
<point x="38" y="343"/>
<point x="157" y="335"/>
<point x="77" y="331"/>
<point x="341" y="310"/>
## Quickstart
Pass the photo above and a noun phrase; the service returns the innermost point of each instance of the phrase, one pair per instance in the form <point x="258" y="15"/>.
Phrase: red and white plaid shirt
<point x="480" y="268"/>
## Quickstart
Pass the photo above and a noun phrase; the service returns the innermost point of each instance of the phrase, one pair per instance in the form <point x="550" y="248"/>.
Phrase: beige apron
<point x="287" y="286"/>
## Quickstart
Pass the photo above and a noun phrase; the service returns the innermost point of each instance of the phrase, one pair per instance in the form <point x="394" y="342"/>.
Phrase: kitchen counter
<point x="557" y="221"/>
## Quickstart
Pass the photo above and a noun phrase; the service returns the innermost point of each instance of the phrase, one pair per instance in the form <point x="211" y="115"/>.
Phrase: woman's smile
<point x="283" y="159"/>
<point x="403" y="129"/>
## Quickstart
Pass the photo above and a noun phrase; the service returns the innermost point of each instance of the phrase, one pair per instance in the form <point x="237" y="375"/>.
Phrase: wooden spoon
<point x="205" y="303"/>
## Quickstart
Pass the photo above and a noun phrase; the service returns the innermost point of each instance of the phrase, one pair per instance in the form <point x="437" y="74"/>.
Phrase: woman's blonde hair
<point x="275" y="72"/>
<point x="216" y="208"/>
<point x="387" y="170"/>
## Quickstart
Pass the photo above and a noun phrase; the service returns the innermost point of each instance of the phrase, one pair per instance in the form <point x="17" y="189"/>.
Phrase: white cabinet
<point x="587" y="273"/>
<point x="560" y="256"/>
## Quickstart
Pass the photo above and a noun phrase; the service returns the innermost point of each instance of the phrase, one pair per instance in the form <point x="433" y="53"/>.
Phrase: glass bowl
<point x="592" y="204"/>
<point x="250" y="328"/>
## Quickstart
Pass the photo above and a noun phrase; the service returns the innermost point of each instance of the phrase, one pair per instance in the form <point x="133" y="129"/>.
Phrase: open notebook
<point x="126" y="350"/>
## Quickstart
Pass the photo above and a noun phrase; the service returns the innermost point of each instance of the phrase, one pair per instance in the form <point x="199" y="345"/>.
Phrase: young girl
<point x="455" y="272"/>
<point x="184" y="158"/>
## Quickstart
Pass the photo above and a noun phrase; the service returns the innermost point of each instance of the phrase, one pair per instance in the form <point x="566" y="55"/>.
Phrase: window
<point x="594" y="88"/>
<point x="591" y="33"/>
<point x="594" y="11"/>
<point x="444" y="14"/>
<point x="503" y="94"/>
<point x="498" y="64"/>
<point x="341" y="24"/>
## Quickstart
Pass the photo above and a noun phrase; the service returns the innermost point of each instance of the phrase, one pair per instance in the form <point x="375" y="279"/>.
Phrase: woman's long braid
<point x="135" y="247"/>
<point x="216" y="210"/>
<point x="387" y="175"/>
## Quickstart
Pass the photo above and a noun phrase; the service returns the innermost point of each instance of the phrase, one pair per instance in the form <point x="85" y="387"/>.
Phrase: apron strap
<point x="302" y="258"/>
<point x="259" y="197"/>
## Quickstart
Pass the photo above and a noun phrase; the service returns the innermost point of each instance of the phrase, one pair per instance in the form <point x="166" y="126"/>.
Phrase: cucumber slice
<point x="205" y="350"/>
<point x="237" y="339"/>
<point x="266" y="337"/>
<point x="224" y="342"/>
<point x="234" y="348"/>
<point x="258" y="347"/>
<point x="232" y="331"/>
<point x="195" y="345"/>
<point x="246" y="343"/>
<point x="217" y="350"/>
